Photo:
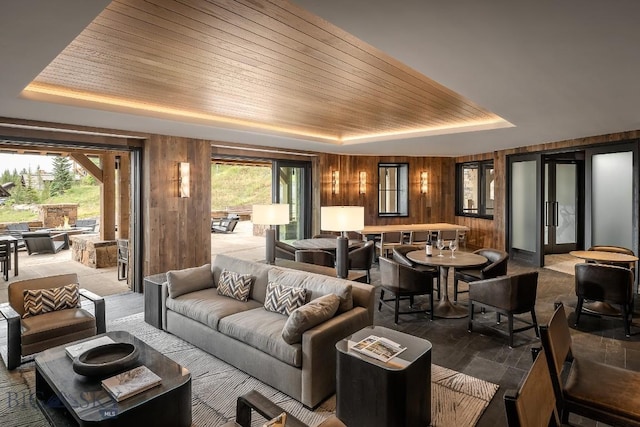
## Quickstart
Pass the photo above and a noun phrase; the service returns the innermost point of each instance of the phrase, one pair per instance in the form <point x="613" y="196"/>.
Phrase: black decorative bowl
<point x="105" y="360"/>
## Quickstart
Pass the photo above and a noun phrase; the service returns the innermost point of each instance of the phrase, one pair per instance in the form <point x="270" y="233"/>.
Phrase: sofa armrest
<point x="14" y="344"/>
<point x="99" y="309"/>
<point x="364" y="295"/>
<point x="263" y="406"/>
<point x="164" y="294"/>
<point x="319" y="352"/>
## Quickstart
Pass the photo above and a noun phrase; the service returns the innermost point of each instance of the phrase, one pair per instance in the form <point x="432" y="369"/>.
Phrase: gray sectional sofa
<point x="250" y="337"/>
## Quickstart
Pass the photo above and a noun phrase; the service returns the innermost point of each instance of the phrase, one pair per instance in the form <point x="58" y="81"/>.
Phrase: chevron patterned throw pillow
<point x="284" y="299"/>
<point x="235" y="285"/>
<point x="39" y="301"/>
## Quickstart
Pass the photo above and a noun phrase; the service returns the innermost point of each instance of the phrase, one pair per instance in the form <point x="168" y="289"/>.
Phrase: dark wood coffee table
<point x="67" y="398"/>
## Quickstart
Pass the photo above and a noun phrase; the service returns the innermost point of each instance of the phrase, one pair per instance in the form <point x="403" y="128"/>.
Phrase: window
<point x="393" y="189"/>
<point x="475" y="189"/>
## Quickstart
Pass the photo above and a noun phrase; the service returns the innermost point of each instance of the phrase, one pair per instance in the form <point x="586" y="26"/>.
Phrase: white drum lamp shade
<point x="273" y="214"/>
<point x="342" y="218"/>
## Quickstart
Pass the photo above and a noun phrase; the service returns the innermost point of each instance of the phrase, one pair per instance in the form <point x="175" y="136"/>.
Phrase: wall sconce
<point x="424" y="184"/>
<point x="335" y="182"/>
<point x="183" y="179"/>
<point x="362" y="182"/>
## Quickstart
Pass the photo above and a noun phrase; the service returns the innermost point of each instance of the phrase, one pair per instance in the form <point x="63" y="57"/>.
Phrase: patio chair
<point x="5" y="259"/>
<point x="224" y="225"/>
<point x="86" y="223"/>
<point x="16" y="231"/>
<point x="43" y="242"/>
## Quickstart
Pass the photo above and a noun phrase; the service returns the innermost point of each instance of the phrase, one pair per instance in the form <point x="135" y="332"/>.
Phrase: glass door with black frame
<point x="292" y="185"/>
<point x="560" y="206"/>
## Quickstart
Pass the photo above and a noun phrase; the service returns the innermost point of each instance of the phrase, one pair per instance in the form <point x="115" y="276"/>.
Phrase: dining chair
<point x="419" y="238"/>
<point x="533" y="404"/>
<point x="361" y="258"/>
<point x="606" y="283"/>
<point x="496" y="266"/>
<point x="285" y="251"/>
<point x="403" y="282"/>
<point x="507" y="295"/>
<point x="617" y="250"/>
<point x="388" y="240"/>
<point x="400" y="256"/>
<point x="585" y="387"/>
<point x="315" y="256"/>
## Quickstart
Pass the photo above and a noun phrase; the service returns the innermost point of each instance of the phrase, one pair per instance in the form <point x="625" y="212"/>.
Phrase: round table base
<point x="447" y="310"/>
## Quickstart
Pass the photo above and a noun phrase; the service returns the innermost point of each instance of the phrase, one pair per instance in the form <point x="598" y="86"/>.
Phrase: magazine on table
<point x="379" y="348"/>
<point x="131" y="382"/>
<point x="77" y="349"/>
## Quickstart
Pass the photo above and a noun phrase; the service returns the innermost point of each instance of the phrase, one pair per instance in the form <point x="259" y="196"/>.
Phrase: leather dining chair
<point x="607" y="283"/>
<point x="400" y="256"/>
<point x="496" y="266"/>
<point x="315" y="256"/>
<point x="285" y="251"/>
<point x="585" y="387"/>
<point x="361" y="258"/>
<point x="506" y="295"/>
<point x="403" y="282"/>
<point x="388" y="240"/>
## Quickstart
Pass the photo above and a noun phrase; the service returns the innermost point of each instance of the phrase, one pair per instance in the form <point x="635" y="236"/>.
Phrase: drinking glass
<point x="453" y="246"/>
<point x="440" y="244"/>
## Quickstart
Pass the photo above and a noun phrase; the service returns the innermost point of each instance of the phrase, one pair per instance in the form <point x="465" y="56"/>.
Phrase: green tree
<point x="62" y="178"/>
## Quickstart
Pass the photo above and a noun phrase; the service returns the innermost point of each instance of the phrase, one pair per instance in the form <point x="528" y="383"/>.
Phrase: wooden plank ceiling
<point x="250" y="64"/>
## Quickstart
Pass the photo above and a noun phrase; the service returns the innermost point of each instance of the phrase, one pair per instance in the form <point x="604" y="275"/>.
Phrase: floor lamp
<point x="342" y="219"/>
<point x="271" y="215"/>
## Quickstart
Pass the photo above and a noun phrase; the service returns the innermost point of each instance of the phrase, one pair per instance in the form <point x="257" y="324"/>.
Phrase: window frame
<point x="402" y="189"/>
<point x="482" y="167"/>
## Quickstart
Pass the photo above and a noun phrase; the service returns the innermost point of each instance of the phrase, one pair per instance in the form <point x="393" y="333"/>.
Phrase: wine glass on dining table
<point x="440" y="244"/>
<point x="453" y="246"/>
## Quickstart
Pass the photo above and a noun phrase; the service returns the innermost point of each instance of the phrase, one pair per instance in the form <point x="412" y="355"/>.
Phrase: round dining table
<point x="445" y="308"/>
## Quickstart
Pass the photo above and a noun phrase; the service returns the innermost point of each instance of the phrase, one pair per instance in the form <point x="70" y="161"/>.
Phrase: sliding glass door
<point x="292" y="185"/>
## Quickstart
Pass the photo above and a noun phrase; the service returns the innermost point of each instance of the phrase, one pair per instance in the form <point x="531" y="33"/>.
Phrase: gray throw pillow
<point x="189" y="280"/>
<point x="235" y="285"/>
<point x="284" y="299"/>
<point x="308" y="316"/>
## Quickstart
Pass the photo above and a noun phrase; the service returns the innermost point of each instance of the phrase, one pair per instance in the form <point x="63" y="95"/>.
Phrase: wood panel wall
<point x="435" y="206"/>
<point x="492" y="233"/>
<point x="177" y="231"/>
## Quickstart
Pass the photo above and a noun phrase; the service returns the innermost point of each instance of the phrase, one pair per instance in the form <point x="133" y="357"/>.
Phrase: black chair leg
<point x="578" y="310"/>
<point x="381" y="299"/>
<point x="455" y="289"/>
<point x="470" y="321"/>
<point x="397" y="308"/>
<point x="510" y="321"/>
<point x="535" y="322"/>
<point x="626" y="320"/>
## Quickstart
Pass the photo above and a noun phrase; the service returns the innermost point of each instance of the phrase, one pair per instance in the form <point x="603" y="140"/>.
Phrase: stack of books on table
<point x="131" y="382"/>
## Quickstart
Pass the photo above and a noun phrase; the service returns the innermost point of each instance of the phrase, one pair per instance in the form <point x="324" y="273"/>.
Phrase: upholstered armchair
<point x="362" y="258"/>
<point x="41" y="329"/>
<point x="400" y="256"/>
<point x="606" y="283"/>
<point x="496" y="266"/>
<point x="315" y="256"/>
<point x="285" y="251"/>
<point x="506" y="295"/>
<point x="403" y="282"/>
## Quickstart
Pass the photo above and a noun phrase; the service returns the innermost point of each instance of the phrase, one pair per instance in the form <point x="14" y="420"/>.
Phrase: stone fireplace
<point x="54" y="216"/>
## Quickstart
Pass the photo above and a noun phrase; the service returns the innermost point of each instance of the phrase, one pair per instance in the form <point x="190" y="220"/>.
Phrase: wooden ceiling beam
<point x="88" y="165"/>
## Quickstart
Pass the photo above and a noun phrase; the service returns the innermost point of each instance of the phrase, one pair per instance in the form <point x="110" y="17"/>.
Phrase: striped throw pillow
<point x="235" y="285"/>
<point x="39" y="301"/>
<point x="284" y="299"/>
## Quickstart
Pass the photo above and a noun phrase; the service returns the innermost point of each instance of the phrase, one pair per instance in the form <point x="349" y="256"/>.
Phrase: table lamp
<point x="342" y="219"/>
<point x="271" y="215"/>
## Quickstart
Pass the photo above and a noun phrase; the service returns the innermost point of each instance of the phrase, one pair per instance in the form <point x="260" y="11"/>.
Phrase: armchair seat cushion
<point x="208" y="307"/>
<point x="54" y="324"/>
<point x="262" y="329"/>
<point x="606" y="387"/>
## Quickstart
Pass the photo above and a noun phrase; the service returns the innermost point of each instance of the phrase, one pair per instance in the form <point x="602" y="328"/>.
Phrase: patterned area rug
<point x="457" y="399"/>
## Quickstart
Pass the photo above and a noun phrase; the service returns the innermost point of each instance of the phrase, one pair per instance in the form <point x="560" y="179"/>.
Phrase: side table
<point x="153" y="299"/>
<point x="372" y="393"/>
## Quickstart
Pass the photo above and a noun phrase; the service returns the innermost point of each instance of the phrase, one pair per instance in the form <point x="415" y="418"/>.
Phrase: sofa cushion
<point x="242" y="266"/>
<point x="208" y="307"/>
<point x="55" y="324"/>
<point x="235" y="285"/>
<point x="39" y="301"/>
<point x="308" y="316"/>
<point x="284" y="299"/>
<point x="262" y="330"/>
<point x="317" y="285"/>
<point x="188" y="280"/>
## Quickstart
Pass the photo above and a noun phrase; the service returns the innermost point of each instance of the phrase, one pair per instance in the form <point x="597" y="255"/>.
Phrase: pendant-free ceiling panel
<point x="266" y="66"/>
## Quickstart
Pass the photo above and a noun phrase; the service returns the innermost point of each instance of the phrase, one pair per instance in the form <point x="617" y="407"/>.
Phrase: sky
<point x="24" y="161"/>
